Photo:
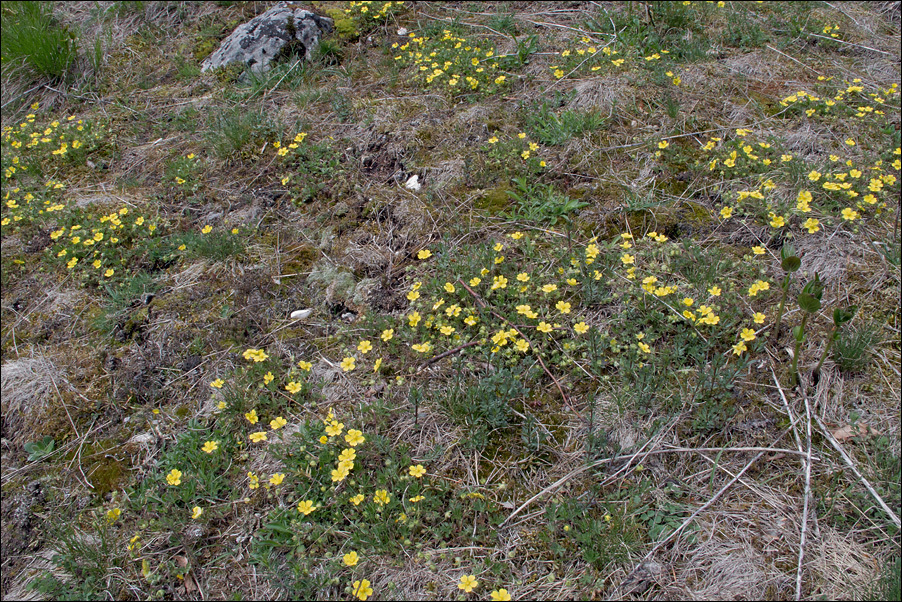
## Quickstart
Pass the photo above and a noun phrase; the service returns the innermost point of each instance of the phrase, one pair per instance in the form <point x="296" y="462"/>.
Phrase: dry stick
<point x="538" y="355"/>
<point x="792" y="420"/>
<point x="655" y="452"/>
<point x="807" y="462"/>
<point x="440" y="356"/>
<point x="814" y="35"/>
<point x="696" y="513"/>
<point x="792" y="59"/>
<point x="867" y="485"/>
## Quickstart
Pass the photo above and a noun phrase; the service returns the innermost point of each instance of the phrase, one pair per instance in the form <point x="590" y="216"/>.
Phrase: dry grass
<point x="747" y="533"/>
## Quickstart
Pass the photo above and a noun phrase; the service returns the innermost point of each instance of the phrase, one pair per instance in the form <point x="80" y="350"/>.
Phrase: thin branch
<point x="703" y="507"/>
<point x="668" y="450"/>
<point x="807" y="463"/>
<point x="440" y="356"/>
<point x="815" y="35"/>
<point x="892" y="515"/>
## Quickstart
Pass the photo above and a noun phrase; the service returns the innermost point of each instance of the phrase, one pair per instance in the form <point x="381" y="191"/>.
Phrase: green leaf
<point x="791" y="263"/>
<point x="815" y="288"/>
<point x="841" y="316"/>
<point x="809" y="302"/>
<point x="798" y="333"/>
<point x="39" y="449"/>
<point x="787" y="251"/>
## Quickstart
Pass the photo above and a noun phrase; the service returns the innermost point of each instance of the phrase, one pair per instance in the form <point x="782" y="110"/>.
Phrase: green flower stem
<point x="798" y="347"/>
<point x="830" y="340"/>
<point x="785" y="288"/>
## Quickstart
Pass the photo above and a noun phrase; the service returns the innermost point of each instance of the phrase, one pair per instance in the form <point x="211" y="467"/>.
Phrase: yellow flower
<point x="627" y="259"/>
<point x="500" y="595"/>
<point x="268" y="378"/>
<point x="715" y="291"/>
<point x="217" y="384"/>
<point x="758" y="286"/>
<point x="257" y="437"/>
<point x="758" y="250"/>
<point x="850" y="214"/>
<point x="350" y="559"/>
<point x="253" y="481"/>
<point x="544" y="327"/>
<point x="174" y="477"/>
<point x="644" y="347"/>
<point x="726" y="212"/>
<point x="563" y="307"/>
<point x="347" y="364"/>
<point x="277" y="423"/>
<point x="446" y="330"/>
<point x="424" y="254"/>
<point x="581" y="327"/>
<point x="499" y="282"/>
<point x="417" y="471"/>
<point x="377" y="365"/>
<point x="210" y="447"/>
<point x="413" y="295"/>
<point x="357" y="499"/>
<point x="814" y="175"/>
<point x="663" y="144"/>
<point x="777" y="221"/>
<point x="293" y="387"/>
<point x="207" y="229"/>
<point x="257" y="355"/>
<point x="812" y="224"/>
<point x="347" y="455"/>
<point x="354" y="437"/>
<point x="196" y="512"/>
<point x="739" y="347"/>
<point x="339" y="474"/>
<point x="468" y="583"/>
<point x="381" y="497"/>
<point x="277" y="478"/>
<point x="306" y="507"/>
<point x="305" y="366"/>
<point x="334" y="428"/>
<point x="475" y="281"/>
<point x="549" y="288"/>
<point x="252" y="417"/>
<point x="364" y="346"/>
<point x="417" y="498"/>
<point x="362" y="588"/>
<point x="758" y="317"/>
<point x="747" y="334"/>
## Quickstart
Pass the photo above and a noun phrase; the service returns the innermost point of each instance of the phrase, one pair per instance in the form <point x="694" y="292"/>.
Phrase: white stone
<point x="413" y="183"/>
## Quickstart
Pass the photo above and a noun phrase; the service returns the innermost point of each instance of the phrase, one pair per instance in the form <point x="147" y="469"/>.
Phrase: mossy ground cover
<point x="633" y="333"/>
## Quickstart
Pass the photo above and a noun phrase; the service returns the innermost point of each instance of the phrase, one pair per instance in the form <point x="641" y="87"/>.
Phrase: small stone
<point x="413" y="183"/>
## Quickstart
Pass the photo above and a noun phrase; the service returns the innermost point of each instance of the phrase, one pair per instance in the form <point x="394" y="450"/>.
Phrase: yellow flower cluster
<point x="452" y="63"/>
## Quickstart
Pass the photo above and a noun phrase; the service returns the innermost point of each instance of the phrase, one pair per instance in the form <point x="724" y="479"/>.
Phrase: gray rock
<point x="262" y="39"/>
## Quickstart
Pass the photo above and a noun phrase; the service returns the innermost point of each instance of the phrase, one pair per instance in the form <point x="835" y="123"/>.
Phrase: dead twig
<point x="689" y="520"/>
<point x="806" y="461"/>
<point x="892" y="515"/>
<point x="441" y="356"/>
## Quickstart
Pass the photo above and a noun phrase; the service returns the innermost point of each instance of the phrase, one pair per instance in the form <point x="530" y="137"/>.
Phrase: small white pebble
<point x="300" y="314"/>
<point x="413" y="183"/>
